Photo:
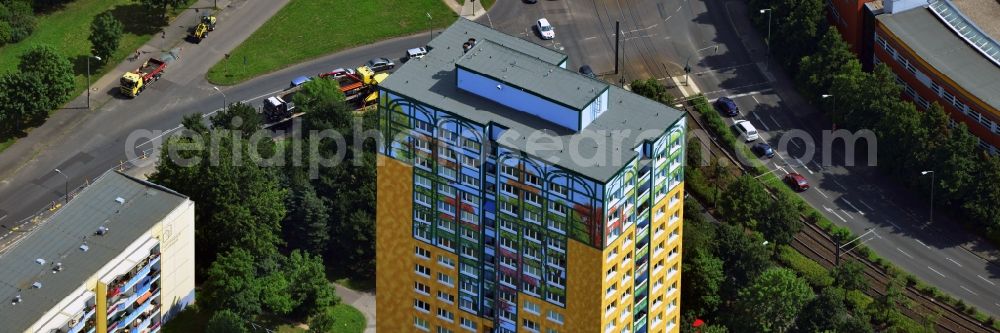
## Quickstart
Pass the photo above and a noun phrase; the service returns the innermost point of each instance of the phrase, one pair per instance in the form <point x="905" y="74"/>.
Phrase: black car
<point x="727" y="106"/>
<point x="586" y="71"/>
<point x="762" y="149"/>
<point x="530" y="1"/>
<point x="380" y="64"/>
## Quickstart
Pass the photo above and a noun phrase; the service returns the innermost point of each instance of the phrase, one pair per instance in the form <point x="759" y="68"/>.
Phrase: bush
<point x="811" y="271"/>
<point x="857" y="300"/>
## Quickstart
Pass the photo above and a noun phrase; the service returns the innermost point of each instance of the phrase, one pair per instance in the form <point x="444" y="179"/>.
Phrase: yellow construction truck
<point x="201" y="30"/>
<point x="134" y="82"/>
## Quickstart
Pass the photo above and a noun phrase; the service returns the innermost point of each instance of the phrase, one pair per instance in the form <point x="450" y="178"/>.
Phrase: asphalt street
<point x="659" y="38"/>
<point x="728" y="58"/>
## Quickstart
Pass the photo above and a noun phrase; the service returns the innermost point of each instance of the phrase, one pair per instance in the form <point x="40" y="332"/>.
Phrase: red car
<point x="797" y="182"/>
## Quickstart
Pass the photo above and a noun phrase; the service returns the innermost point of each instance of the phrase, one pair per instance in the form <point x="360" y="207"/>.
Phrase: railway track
<point x="816" y="244"/>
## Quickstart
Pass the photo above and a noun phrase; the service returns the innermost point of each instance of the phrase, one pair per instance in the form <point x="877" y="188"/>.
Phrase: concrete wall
<point x="394" y="259"/>
<point x="518" y="99"/>
<point x="177" y="259"/>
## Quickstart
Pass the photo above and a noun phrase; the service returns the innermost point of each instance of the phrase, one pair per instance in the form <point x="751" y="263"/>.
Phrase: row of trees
<point x="268" y="227"/>
<point x="17" y="21"/>
<point x="823" y="64"/>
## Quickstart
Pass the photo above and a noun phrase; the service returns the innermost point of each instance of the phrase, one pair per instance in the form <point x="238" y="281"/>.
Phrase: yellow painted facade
<point x="400" y="287"/>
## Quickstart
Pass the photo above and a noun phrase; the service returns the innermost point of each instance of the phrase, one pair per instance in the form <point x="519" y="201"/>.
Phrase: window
<point x="469" y="270"/>
<point x="422" y="288"/>
<point x="422" y="199"/>
<point x="555" y="317"/>
<point x="446" y="243"/>
<point x="422" y="144"/>
<point x="508" y="208"/>
<point x="557" y="226"/>
<point x="468" y="252"/>
<point x="558" y="208"/>
<point x="470" y="162"/>
<point x="532" y="198"/>
<point x="422" y="181"/>
<point x="446" y="262"/>
<point x="421" y="305"/>
<point x="510" y="171"/>
<point x="446" y="207"/>
<point x="532" y="271"/>
<point x="449" y="298"/>
<point x="532" y="217"/>
<point x="470" y="144"/>
<point x="421" y="324"/>
<point x="470" y="180"/>
<point x="449" y="135"/>
<point x="611" y="271"/>
<point x="555" y="298"/>
<point x="468" y="324"/>
<point x="530" y="325"/>
<point x="611" y="290"/>
<point x="468" y="286"/>
<point x="424" y="126"/>
<point x="447" y="172"/>
<point x="531" y="307"/>
<point x="467" y="303"/>
<point x="445" y="279"/>
<point x="446" y="315"/>
<point x="559" y="189"/>
<point x="531" y="179"/>
<point x="531" y="234"/>
<point x="422" y="162"/>
<point x="422" y="270"/>
<point x="447" y="190"/>
<point x="612" y="254"/>
<point x="556" y="245"/>
<point x="508" y="189"/>
<point x="421" y="252"/>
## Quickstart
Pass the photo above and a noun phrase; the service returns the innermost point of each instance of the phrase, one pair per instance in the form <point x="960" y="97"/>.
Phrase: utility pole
<point x="66" y="188"/>
<point x="768" y="59"/>
<point x="839" y="246"/>
<point x="618" y="36"/>
<point x="932" y="192"/>
<point x="88" y="78"/>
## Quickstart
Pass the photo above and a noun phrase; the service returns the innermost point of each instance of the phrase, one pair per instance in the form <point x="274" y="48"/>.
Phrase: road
<point x="660" y="37"/>
<point x="85" y="146"/>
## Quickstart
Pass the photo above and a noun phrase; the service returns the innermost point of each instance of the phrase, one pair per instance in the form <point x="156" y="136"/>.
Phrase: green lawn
<point x="306" y="29"/>
<point x="67" y="30"/>
<point x="349" y="319"/>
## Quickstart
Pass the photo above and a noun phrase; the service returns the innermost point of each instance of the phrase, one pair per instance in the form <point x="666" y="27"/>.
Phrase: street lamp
<point x="924" y="173"/>
<point x="66" y="188"/>
<point x="225" y="104"/>
<point x="839" y="246"/>
<point x="768" y="59"/>
<point x="88" y="78"/>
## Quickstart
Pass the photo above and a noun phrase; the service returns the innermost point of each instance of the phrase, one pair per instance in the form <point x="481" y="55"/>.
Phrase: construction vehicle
<point x="201" y="30"/>
<point x="360" y="88"/>
<point x="134" y="82"/>
<point x="278" y="108"/>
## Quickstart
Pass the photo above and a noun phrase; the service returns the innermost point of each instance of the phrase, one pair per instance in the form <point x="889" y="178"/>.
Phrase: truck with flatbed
<point x="134" y="82"/>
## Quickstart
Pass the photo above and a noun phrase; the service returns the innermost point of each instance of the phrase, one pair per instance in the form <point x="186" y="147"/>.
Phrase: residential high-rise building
<point x="119" y="257"/>
<point x="516" y="195"/>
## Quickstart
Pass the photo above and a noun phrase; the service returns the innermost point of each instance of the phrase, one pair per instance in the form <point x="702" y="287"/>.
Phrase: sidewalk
<point x="469" y="9"/>
<point x="363" y="301"/>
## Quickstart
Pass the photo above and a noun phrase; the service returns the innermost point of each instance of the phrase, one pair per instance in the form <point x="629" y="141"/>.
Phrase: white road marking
<point x="987" y="281"/>
<point x="3" y="217"/>
<point x="726" y="68"/>
<point x="922" y="243"/>
<point x="954" y="262"/>
<point x="167" y="132"/>
<point x="745" y="94"/>
<point x="866" y="205"/>
<point x="831" y="211"/>
<point x="935" y="271"/>
<point x="821" y="168"/>
<point x="848" y="214"/>
<point x="970" y="291"/>
<point x="804" y="165"/>
<point x="678" y="9"/>
<point x="589" y="38"/>
<point x="775" y="121"/>
<point x="821" y="193"/>
<point x="794" y="143"/>
<point x="668" y="18"/>
<point x="852" y="206"/>
<point x="904" y="253"/>
<point x="895" y="225"/>
<point x="761" y="122"/>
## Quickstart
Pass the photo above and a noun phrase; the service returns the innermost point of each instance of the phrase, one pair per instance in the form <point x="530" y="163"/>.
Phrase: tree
<point x="307" y="223"/>
<point x="52" y="68"/>
<point x="772" y="302"/>
<point x="225" y="321"/>
<point x="240" y="117"/>
<point x="825" y="313"/>
<point x="232" y="283"/>
<point x="850" y="275"/>
<point x="652" y="89"/>
<point x="781" y="221"/>
<point x="105" y="35"/>
<point x="885" y="308"/>
<point x="744" y="256"/>
<point x="322" y="322"/>
<point x="24" y="101"/>
<point x="19" y="18"/>
<point x="324" y="102"/>
<point x="817" y="70"/>
<point x="308" y="285"/>
<point x="702" y="283"/>
<point x="160" y="7"/>
<point x="746" y="202"/>
<point x="240" y="202"/>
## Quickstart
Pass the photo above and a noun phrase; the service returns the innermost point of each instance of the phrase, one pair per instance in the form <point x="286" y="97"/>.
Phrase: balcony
<point x="127" y="281"/>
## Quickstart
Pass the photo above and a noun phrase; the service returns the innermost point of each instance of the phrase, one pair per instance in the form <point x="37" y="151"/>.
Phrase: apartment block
<point x="515" y="195"/>
<point x="119" y="257"/>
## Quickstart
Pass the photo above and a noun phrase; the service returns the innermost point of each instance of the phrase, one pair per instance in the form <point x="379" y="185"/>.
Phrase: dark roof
<point x="59" y="238"/>
<point x="948" y="53"/>
<point x="431" y="80"/>
<point x="532" y="74"/>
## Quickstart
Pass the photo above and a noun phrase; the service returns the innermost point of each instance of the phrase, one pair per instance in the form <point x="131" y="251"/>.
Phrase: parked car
<point x="797" y="182"/>
<point x="298" y="81"/>
<point x="747" y="130"/>
<point x="337" y="73"/>
<point x="545" y="29"/>
<point x="762" y="149"/>
<point x="416" y="53"/>
<point x="727" y="106"/>
<point x="585" y="70"/>
<point x="380" y="64"/>
<point x="530" y="1"/>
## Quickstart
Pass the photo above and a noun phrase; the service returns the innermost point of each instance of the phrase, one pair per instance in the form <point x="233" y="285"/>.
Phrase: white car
<point x="545" y="29"/>
<point x="416" y="53"/>
<point x="747" y="130"/>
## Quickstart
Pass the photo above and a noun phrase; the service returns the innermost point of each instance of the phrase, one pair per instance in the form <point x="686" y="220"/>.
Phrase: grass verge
<point x="349" y="319"/>
<point x="306" y="29"/>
